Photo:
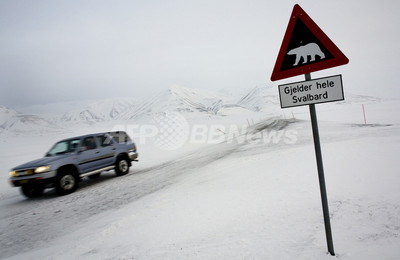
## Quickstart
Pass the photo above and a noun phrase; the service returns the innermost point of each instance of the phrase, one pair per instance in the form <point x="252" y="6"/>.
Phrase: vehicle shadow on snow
<point x="85" y="184"/>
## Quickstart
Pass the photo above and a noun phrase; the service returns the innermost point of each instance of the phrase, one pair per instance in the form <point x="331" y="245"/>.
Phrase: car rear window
<point x="121" y="137"/>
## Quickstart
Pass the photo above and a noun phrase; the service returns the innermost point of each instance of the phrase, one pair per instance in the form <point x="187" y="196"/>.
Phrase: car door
<point x="107" y="149"/>
<point x="89" y="155"/>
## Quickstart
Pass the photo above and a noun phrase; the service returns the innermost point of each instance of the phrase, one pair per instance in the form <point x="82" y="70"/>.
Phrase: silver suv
<point x="69" y="160"/>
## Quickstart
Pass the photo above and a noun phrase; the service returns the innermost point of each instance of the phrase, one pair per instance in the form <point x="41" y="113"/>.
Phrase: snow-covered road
<point x="28" y="224"/>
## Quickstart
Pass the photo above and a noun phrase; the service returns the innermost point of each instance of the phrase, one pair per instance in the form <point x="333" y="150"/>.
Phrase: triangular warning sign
<point x="305" y="48"/>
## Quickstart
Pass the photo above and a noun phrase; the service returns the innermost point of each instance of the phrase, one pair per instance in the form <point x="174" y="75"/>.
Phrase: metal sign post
<point x="322" y="186"/>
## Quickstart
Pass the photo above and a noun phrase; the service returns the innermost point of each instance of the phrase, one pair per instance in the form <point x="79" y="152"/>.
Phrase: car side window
<point x="104" y="140"/>
<point x="89" y="143"/>
<point x="73" y="145"/>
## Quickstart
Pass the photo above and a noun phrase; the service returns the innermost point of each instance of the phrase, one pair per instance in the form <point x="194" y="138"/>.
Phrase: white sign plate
<point x="315" y="91"/>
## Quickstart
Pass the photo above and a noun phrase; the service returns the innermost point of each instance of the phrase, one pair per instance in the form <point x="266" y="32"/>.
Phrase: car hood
<point x="40" y="162"/>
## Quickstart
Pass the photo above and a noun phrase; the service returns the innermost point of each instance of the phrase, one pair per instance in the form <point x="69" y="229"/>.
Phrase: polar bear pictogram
<point x="311" y="49"/>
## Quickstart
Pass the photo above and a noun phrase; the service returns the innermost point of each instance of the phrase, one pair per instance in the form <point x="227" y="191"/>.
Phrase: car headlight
<point x="42" y="169"/>
<point x="13" y="173"/>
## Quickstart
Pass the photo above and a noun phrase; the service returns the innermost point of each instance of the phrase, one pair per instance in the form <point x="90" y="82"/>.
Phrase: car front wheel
<point x="122" y="166"/>
<point x="66" y="183"/>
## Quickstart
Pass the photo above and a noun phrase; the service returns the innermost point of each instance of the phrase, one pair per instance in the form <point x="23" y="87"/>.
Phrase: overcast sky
<point x="69" y="50"/>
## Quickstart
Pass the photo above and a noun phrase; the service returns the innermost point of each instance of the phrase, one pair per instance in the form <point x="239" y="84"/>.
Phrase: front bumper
<point x="133" y="156"/>
<point x="44" y="178"/>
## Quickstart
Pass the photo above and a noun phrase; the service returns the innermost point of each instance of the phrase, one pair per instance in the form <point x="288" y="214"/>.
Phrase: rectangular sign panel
<point x="315" y="91"/>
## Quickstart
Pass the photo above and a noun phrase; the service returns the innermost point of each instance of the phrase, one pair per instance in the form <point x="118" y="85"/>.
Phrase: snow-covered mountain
<point x="177" y="99"/>
<point x="355" y="98"/>
<point x="11" y="120"/>
<point x="98" y="111"/>
<point x="258" y="98"/>
<point x="261" y="99"/>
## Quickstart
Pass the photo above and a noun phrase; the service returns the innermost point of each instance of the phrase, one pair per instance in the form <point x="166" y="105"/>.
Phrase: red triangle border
<point x="339" y="57"/>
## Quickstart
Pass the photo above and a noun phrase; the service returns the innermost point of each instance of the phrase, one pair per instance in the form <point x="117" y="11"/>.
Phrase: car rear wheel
<point x="32" y="191"/>
<point x="66" y="182"/>
<point x="122" y="166"/>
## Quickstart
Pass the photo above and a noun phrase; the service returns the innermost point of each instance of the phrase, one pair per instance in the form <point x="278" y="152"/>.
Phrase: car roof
<point x="88" y="135"/>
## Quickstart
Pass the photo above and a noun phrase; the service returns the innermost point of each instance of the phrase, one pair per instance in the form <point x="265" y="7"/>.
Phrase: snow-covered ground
<point x="253" y="196"/>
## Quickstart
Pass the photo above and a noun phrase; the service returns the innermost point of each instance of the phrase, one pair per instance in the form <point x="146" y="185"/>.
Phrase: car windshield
<point x="66" y="146"/>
